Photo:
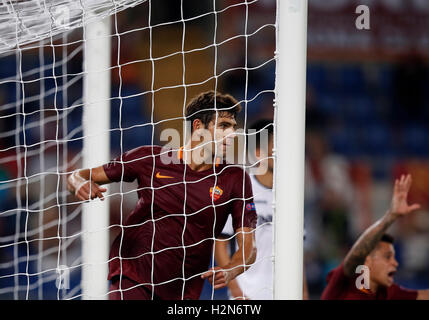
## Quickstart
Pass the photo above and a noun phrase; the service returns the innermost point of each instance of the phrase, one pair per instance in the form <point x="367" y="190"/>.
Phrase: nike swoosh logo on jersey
<point x="158" y="175"/>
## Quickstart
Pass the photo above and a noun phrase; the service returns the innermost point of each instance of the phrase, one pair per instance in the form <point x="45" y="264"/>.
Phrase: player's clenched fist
<point x="83" y="188"/>
<point x="220" y="279"/>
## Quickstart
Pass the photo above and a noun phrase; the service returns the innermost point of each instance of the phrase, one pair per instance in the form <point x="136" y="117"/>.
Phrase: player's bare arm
<point x="369" y="239"/>
<point x="85" y="183"/>
<point x="240" y="261"/>
<point x="222" y="258"/>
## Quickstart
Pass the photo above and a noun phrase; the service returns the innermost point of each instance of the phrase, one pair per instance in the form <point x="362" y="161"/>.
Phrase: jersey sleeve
<point x="395" y="292"/>
<point x="243" y="208"/>
<point x="337" y="283"/>
<point x="127" y="167"/>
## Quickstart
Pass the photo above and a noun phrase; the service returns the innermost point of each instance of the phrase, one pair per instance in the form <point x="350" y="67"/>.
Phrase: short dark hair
<point x="387" y="238"/>
<point x="203" y="107"/>
<point x="262" y="124"/>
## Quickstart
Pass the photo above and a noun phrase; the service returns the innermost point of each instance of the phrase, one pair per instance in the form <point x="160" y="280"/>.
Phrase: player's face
<point x="382" y="264"/>
<point x="225" y="129"/>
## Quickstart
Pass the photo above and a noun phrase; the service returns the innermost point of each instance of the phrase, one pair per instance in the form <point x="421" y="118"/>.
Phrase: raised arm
<point x="369" y="239"/>
<point x="240" y="261"/>
<point x="85" y="183"/>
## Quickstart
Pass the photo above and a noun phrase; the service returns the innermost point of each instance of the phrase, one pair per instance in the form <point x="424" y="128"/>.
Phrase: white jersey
<point x="257" y="282"/>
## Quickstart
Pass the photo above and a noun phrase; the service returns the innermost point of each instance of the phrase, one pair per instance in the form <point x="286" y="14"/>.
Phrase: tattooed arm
<point x="366" y="243"/>
<point x="369" y="239"/>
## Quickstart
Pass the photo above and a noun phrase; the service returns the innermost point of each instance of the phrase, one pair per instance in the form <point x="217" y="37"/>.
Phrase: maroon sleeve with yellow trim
<point x="243" y="209"/>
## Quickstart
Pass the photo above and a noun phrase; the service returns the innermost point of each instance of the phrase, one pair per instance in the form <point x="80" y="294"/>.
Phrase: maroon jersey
<point x="341" y="287"/>
<point x="168" y="238"/>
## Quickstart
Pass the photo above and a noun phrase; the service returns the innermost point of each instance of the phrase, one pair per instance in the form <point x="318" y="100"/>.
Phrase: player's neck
<point x="266" y="179"/>
<point x="191" y="152"/>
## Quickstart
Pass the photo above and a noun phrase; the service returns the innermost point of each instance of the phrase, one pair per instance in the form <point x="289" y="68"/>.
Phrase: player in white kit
<point x="257" y="282"/>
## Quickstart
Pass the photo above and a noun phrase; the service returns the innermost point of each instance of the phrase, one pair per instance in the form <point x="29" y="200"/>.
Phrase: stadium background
<point x="366" y="122"/>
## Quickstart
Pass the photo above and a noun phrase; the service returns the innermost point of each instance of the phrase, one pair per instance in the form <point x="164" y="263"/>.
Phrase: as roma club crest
<point x="250" y="206"/>
<point x="217" y="193"/>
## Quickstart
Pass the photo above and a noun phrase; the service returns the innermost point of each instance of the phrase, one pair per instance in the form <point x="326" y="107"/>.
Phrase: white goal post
<point x="96" y="150"/>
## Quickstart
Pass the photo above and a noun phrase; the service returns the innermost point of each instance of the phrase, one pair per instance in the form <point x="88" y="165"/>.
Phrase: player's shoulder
<point x="338" y="284"/>
<point x="394" y="287"/>
<point x="146" y="149"/>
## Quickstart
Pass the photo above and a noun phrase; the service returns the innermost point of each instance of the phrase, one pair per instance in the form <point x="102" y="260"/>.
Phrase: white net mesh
<point x="40" y="114"/>
<point x="163" y="54"/>
<point x="24" y="21"/>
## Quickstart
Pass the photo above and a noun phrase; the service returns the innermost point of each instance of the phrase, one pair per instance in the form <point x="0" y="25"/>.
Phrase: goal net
<point x="83" y="82"/>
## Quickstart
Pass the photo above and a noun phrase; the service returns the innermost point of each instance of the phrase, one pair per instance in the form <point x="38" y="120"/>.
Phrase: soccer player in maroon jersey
<point x="165" y="249"/>
<point x="374" y="249"/>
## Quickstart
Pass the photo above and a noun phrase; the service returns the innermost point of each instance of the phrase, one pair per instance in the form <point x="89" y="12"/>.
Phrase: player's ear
<point x="197" y="130"/>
